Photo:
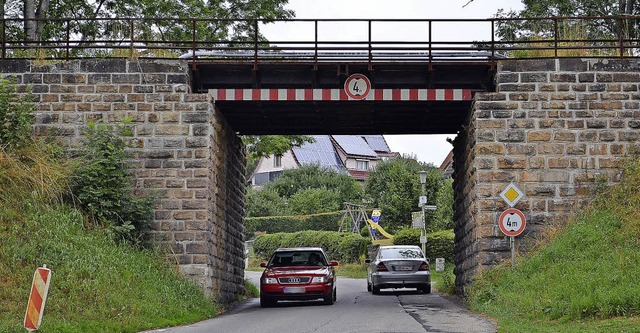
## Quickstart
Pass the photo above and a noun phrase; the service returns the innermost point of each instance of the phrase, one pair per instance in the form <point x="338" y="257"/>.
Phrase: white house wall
<point x="266" y="163"/>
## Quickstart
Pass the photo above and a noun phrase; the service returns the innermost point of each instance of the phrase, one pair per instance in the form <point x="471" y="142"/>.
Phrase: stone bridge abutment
<point x="552" y="127"/>
<point x="182" y="148"/>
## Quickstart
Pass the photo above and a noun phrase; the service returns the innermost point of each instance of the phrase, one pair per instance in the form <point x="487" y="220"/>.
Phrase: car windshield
<point x="297" y="258"/>
<point x="401" y="254"/>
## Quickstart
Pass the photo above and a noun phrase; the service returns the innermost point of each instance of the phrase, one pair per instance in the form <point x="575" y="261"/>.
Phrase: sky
<point x="427" y="148"/>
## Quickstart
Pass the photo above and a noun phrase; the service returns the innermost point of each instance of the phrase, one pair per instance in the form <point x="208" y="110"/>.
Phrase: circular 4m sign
<point x="512" y="222"/>
<point x="357" y="86"/>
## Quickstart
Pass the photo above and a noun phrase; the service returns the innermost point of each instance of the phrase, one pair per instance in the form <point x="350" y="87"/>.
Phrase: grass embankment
<point x="585" y="279"/>
<point x="97" y="285"/>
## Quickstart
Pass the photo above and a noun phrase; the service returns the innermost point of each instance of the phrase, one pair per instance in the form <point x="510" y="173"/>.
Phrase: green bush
<point x="101" y="183"/>
<point x="439" y="244"/>
<point x="277" y="224"/>
<point x="407" y="236"/>
<point x="344" y="247"/>
<point x="16" y="116"/>
<point x="364" y="232"/>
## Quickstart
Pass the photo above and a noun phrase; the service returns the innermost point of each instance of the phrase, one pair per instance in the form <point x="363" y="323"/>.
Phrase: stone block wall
<point x="183" y="149"/>
<point x="552" y="127"/>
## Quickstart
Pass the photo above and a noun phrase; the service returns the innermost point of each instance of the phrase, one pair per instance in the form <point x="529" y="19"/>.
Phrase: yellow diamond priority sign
<point x="511" y="195"/>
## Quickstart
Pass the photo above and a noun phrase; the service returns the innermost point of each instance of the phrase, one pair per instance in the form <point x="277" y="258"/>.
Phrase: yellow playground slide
<point x="379" y="229"/>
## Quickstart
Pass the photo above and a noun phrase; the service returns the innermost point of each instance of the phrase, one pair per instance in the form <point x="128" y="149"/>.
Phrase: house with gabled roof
<point x="352" y="154"/>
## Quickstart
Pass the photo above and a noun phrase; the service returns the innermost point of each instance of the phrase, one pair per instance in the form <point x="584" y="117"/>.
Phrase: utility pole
<point x="423" y="203"/>
<point x="424" y="206"/>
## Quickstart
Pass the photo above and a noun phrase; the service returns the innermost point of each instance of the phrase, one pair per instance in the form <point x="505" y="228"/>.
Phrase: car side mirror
<point x="333" y="263"/>
<point x="263" y="264"/>
<point x="367" y="261"/>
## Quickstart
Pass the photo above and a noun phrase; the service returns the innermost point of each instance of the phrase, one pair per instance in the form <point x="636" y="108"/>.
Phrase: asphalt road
<point x="356" y="310"/>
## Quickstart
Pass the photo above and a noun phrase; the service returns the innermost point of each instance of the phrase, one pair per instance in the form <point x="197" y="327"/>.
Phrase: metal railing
<point x="245" y="40"/>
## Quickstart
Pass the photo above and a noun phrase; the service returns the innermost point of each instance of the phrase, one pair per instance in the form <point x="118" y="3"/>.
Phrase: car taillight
<point x="381" y="268"/>
<point x="424" y="267"/>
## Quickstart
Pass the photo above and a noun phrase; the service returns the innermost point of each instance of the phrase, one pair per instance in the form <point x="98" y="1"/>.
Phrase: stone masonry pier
<point x="183" y="149"/>
<point x="553" y="127"/>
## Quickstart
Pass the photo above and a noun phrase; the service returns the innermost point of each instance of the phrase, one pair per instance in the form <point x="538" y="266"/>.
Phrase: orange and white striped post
<point x="37" y="298"/>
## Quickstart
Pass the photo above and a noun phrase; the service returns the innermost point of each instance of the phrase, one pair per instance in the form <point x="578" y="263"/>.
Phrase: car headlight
<point x="320" y="279"/>
<point x="269" y="281"/>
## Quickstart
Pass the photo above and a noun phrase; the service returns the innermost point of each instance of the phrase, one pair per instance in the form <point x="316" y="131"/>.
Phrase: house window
<point x="362" y="165"/>
<point x="277" y="161"/>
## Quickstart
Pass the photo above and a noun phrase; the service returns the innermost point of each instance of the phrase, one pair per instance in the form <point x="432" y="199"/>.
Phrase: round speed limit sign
<point x="357" y="86"/>
<point x="512" y="222"/>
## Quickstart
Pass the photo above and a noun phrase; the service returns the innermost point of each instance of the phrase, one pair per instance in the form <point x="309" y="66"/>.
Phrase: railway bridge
<point x="552" y="124"/>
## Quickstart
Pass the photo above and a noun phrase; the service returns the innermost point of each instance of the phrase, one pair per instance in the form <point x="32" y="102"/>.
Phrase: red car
<point x="301" y="273"/>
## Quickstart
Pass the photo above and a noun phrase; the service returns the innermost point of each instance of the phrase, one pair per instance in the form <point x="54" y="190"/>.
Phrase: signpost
<point x="37" y="298"/>
<point x="418" y="222"/>
<point x="512" y="223"/>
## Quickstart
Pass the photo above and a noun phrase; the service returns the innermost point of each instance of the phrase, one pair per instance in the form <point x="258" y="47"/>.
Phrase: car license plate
<point x="404" y="268"/>
<point x="294" y="290"/>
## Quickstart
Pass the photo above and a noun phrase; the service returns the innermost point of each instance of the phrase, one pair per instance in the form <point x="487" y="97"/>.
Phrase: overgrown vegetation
<point x="16" y="116"/>
<point x="445" y="281"/>
<point x="439" y="243"/>
<point x="394" y="186"/>
<point x="582" y="280"/>
<point x="98" y="284"/>
<point x="343" y="247"/>
<point x="308" y="198"/>
<point x="101" y="183"/>
<point x="542" y="24"/>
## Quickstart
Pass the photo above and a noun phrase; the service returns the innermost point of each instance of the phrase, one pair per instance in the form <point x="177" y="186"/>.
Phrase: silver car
<point x="398" y="266"/>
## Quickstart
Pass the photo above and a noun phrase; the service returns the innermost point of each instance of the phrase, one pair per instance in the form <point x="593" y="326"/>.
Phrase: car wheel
<point x="368" y="286"/>
<point x="267" y="302"/>
<point x="426" y="289"/>
<point x="329" y="300"/>
<point x="374" y="290"/>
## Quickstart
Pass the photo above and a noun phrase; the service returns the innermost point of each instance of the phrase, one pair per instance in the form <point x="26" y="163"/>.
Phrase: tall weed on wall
<point x="16" y="117"/>
<point x="102" y="184"/>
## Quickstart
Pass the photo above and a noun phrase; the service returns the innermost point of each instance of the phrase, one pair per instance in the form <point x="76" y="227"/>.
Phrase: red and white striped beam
<point x="340" y="95"/>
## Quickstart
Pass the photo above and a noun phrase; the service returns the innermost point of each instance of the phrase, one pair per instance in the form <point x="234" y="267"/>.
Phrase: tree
<point x="394" y="186"/>
<point x="80" y="12"/>
<point x="306" y="191"/>
<point x="443" y="218"/>
<point x="265" y="202"/>
<point x="317" y="177"/>
<point x="265" y="145"/>
<point x="591" y="29"/>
